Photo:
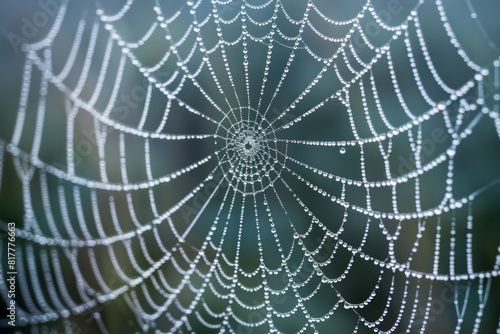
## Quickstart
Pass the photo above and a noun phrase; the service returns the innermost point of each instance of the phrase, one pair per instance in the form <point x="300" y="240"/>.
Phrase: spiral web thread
<point x="178" y="274"/>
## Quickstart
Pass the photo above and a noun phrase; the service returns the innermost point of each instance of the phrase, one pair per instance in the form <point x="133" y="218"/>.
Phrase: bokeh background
<point x="476" y="164"/>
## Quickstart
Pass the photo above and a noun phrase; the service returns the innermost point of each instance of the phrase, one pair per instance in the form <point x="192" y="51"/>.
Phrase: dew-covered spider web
<point x="257" y="166"/>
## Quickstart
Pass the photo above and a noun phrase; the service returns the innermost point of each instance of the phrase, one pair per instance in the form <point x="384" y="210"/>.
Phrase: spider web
<point x="258" y="166"/>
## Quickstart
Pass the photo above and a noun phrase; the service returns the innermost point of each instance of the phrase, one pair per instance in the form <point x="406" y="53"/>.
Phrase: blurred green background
<point x="476" y="164"/>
